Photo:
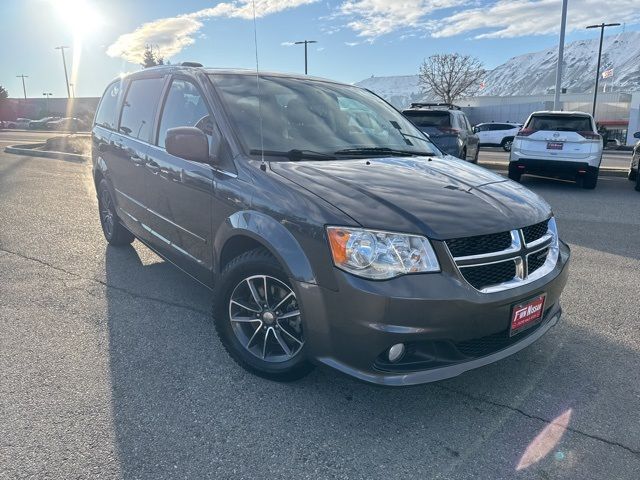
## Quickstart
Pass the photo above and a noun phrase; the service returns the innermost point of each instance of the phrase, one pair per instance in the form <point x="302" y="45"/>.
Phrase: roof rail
<point x="450" y="106"/>
<point x="190" y="64"/>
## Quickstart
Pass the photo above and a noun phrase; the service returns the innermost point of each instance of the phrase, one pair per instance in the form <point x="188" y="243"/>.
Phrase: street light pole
<point x="73" y="90"/>
<point x="47" y="95"/>
<point x="64" y="64"/>
<point x="563" y="26"/>
<point x="305" y="42"/>
<point x="602" y="26"/>
<point x="24" y="88"/>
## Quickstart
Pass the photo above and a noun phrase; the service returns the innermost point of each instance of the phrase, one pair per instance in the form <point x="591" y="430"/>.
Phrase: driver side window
<point x="184" y="107"/>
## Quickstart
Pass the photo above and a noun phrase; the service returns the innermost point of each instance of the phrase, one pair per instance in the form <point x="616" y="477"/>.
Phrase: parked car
<point x="23" y="123"/>
<point x="634" y="168"/>
<point x="41" y="124"/>
<point x="69" y="123"/>
<point x="324" y="241"/>
<point x="494" y="134"/>
<point x="448" y="127"/>
<point x="558" y="144"/>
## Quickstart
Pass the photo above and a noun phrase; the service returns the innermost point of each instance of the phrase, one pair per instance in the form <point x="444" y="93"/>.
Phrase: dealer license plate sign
<point x="527" y="314"/>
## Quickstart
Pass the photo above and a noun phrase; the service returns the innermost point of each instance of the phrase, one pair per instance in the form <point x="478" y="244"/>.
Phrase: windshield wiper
<point x="382" y="151"/>
<point x="294" y="154"/>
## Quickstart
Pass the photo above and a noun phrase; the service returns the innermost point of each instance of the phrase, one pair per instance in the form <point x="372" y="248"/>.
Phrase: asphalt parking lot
<point x="110" y="368"/>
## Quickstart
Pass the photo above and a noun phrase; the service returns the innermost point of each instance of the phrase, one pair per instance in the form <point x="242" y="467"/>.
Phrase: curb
<point x="31" y="150"/>
<point x="604" y="171"/>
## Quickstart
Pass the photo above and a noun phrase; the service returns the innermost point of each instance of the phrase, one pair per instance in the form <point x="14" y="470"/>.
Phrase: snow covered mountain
<point x="400" y="91"/>
<point x="535" y="73"/>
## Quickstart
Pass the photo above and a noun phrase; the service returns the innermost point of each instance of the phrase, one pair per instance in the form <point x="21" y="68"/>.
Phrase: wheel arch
<point x="247" y="230"/>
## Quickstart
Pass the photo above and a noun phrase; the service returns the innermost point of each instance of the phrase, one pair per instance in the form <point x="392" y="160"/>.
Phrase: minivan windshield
<point x="561" y="123"/>
<point x="317" y="119"/>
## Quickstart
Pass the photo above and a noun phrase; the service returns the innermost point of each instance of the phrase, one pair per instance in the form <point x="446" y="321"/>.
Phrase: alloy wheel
<point x="265" y="318"/>
<point x="106" y="213"/>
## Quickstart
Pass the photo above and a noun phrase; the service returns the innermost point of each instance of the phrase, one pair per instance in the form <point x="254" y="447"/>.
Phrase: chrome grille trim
<point x="519" y="252"/>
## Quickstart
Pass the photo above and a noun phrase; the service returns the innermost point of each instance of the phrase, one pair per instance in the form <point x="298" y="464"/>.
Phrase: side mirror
<point x="189" y="143"/>
<point x="636" y="135"/>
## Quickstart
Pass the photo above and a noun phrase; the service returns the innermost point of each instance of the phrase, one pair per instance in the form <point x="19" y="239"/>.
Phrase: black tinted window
<point x="139" y="106"/>
<point x="562" y="123"/>
<point x="184" y="107"/>
<point x="429" y="119"/>
<point x="106" y="114"/>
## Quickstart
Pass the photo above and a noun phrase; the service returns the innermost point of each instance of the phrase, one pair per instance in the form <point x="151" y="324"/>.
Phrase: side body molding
<point x="273" y="235"/>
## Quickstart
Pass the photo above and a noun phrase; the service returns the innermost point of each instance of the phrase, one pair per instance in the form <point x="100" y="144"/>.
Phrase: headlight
<point x="380" y="255"/>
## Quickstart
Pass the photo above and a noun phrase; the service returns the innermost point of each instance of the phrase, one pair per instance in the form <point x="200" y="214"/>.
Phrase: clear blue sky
<point x="357" y="38"/>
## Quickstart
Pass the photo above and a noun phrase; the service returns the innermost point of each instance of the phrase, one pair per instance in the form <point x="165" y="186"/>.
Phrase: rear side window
<point x="561" y="123"/>
<point x="429" y="119"/>
<point x="106" y="114"/>
<point x="139" y="107"/>
<point x="184" y="107"/>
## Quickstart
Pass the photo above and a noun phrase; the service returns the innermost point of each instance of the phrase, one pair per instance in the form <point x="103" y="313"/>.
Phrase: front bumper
<point x="452" y="327"/>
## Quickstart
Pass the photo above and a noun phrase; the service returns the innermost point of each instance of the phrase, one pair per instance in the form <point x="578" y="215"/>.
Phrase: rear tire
<point x="506" y="144"/>
<point x="114" y="232"/>
<point x="590" y="179"/>
<point x="637" y="187"/>
<point x="633" y="174"/>
<point x="514" y="172"/>
<point x="256" y="325"/>
<point x="463" y="154"/>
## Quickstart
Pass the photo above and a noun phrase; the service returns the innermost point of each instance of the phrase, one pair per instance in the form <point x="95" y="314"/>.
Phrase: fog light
<point x="396" y="352"/>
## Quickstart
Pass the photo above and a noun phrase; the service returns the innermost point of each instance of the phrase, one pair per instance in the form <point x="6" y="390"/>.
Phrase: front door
<point x="182" y="190"/>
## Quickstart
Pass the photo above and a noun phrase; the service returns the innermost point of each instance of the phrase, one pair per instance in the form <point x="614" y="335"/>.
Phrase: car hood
<point x="439" y="197"/>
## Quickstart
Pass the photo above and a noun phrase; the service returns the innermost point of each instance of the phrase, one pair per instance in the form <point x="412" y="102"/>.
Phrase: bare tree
<point x="450" y="76"/>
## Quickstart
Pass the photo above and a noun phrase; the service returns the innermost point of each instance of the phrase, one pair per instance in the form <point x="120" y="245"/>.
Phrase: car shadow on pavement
<point x="182" y="408"/>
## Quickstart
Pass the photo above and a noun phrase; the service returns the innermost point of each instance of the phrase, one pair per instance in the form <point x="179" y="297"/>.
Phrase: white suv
<point x="494" y="134"/>
<point x="558" y="144"/>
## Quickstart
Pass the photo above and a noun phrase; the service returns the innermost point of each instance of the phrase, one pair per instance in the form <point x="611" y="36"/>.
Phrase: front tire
<point x="514" y="172"/>
<point x="590" y="179"/>
<point x="114" y="232"/>
<point x="637" y="187"/>
<point x="258" y="318"/>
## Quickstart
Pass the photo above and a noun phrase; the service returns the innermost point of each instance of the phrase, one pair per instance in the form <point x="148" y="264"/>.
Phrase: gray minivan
<point x="328" y="228"/>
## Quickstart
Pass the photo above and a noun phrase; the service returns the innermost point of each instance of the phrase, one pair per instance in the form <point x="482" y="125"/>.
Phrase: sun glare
<point x="79" y="16"/>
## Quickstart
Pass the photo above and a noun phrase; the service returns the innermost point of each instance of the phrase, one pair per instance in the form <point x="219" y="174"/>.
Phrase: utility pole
<point x="24" y="88"/>
<point x="602" y="26"/>
<point x="64" y="64"/>
<point x="305" y="42"/>
<point x="47" y="95"/>
<point x="563" y="26"/>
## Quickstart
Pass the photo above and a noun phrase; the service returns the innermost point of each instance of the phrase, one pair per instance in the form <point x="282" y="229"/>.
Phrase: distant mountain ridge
<point x="535" y="73"/>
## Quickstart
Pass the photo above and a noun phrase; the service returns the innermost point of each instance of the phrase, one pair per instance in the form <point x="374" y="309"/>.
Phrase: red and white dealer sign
<point x="527" y="314"/>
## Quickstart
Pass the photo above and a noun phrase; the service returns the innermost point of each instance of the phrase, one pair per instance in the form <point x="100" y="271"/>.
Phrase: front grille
<point x="535" y="232"/>
<point x="480" y="244"/>
<point x="482" y="276"/>
<point x="536" y="260"/>
<point x="480" y="347"/>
